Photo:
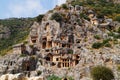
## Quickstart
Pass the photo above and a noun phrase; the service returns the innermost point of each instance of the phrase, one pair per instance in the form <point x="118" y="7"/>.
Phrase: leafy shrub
<point x="23" y="55"/>
<point x="115" y="36"/>
<point x="102" y="73"/>
<point x="118" y="67"/>
<point x="70" y="78"/>
<point x="115" y="41"/>
<point x="97" y="37"/>
<point x="100" y="15"/>
<point x="89" y="2"/>
<point x="25" y="42"/>
<point x="39" y="18"/>
<point x="106" y="11"/>
<point x="70" y="51"/>
<point x="64" y="6"/>
<point x="77" y="3"/>
<point x="39" y="73"/>
<point x="82" y="15"/>
<point x="57" y="17"/>
<point x="111" y="34"/>
<point x="107" y="45"/>
<point x="97" y="45"/>
<point x="117" y="18"/>
<point x="53" y="77"/>
<point x="118" y="30"/>
<point x="105" y="41"/>
<point x="50" y="11"/>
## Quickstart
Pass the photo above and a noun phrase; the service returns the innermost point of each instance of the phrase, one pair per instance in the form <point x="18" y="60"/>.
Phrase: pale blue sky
<point x="26" y="8"/>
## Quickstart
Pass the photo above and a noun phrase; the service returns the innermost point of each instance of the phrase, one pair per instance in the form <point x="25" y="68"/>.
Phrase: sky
<point x="26" y="8"/>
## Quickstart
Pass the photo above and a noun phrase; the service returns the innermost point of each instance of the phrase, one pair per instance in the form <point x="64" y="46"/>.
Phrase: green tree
<point x="97" y="45"/>
<point x="97" y="37"/>
<point x="64" y="6"/>
<point x="39" y="18"/>
<point x="57" y="17"/>
<point x="117" y="18"/>
<point x="101" y="72"/>
<point x="118" y="30"/>
<point x="108" y="45"/>
<point x="53" y="77"/>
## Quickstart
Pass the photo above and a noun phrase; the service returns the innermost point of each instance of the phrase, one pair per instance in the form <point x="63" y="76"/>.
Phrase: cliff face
<point x="68" y="41"/>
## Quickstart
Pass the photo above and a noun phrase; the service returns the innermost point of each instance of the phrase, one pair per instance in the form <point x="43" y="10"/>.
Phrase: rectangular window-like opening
<point x="44" y="45"/>
<point x="63" y="64"/>
<point x="33" y="41"/>
<point x="49" y="44"/>
<point x="45" y="39"/>
<point x="47" y="50"/>
<point x="46" y="27"/>
<point x="57" y="59"/>
<point x="79" y="47"/>
<point x="63" y="45"/>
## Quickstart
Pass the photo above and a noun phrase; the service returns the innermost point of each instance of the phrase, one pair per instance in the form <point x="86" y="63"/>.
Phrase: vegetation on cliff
<point x="101" y="7"/>
<point x="102" y="73"/>
<point x="19" y="28"/>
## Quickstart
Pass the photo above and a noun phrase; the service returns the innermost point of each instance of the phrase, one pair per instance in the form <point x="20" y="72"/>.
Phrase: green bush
<point x="115" y="41"/>
<point x="70" y="78"/>
<point x="64" y="6"/>
<point x="70" y="51"/>
<point x="106" y="11"/>
<point x="39" y="73"/>
<point x="117" y="8"/>
<point x="102" y="73"/>
<point x="118" y="30"/>
<point x="57" y="17"/>
<point x="115" y="36"/>
<point x="105" y="41"/>
<point x="77" y="3"/>
<point x="53" y="77"/>
<point x="97" y="37"/>
<point x="89" y="2"/>
<point x="117" y="18"/>
<point x="97" y="45"/>
<point x="111" y="34"/>
<point x="23" y="55"/>
<point x="118" y="67"/>
<point x="39" y="18"/>
<point x="82" y="15"/>
<point x="107" y="45"/>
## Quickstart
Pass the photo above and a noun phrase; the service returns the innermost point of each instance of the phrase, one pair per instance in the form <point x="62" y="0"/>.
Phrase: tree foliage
<point x="39" y="18"/>
<point x="64" y="6"/>
<point x="57" y="17"/>
<point x="117" y="18"/>
<point x="97" y="45"/>
<point x="53" y="77"/>
<point x="101" y="7"/>
<point x="102" y="73"/>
